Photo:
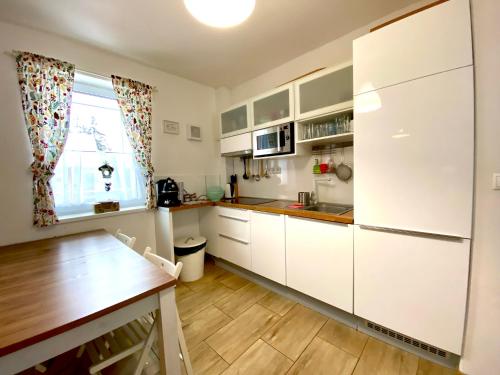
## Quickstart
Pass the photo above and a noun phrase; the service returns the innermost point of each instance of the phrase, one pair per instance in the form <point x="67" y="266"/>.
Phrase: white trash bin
<point x="191" y="252"/>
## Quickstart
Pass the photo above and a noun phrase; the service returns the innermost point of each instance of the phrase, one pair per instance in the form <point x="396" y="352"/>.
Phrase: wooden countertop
<point x="277" y="207"/>
<point x="50" y="286"/>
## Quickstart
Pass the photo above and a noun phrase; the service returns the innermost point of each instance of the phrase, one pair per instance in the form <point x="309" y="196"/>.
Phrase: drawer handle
<point x="234" y="218"/>
<point x="413" y="233"/>
<point x="233" y="239"/>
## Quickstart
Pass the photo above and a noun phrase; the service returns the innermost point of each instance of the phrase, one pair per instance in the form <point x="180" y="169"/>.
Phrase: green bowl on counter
<point x="215" y="193"/>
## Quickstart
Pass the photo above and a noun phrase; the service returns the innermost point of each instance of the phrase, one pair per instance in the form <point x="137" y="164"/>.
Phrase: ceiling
<point x="162" y="34"/>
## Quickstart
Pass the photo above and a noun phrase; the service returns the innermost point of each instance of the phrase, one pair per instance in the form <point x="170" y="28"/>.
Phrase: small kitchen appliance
<point x="168" y="193"/>
<point x="276" y="140"/>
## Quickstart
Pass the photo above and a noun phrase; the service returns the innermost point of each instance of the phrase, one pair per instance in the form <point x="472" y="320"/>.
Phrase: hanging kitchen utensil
<point x="245" y="176"/>
<point x="343" y="171"/>
<point x="266" y="172"/>
<point x="256" y="175"/>
<point x="261" y="168"/>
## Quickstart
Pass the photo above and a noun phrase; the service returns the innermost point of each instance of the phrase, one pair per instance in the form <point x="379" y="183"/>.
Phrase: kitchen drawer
<point x="234" y="213"/>
<point x="235" y="250"/>
<point x="234" y="223"/>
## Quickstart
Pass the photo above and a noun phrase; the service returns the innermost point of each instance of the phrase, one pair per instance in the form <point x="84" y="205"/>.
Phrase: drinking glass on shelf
<point x="331" y="128"/>
<point x="305" y="131"/>
<point x="316" y="131"/>
<point x="323" y="130"/>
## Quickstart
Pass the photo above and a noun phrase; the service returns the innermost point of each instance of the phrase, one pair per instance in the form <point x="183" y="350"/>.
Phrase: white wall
<point x="482" y="337"/>
<point x="177" y="99"/>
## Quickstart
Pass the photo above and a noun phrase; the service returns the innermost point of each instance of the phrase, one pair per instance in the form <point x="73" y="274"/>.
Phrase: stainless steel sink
<point x="331" y="208"/>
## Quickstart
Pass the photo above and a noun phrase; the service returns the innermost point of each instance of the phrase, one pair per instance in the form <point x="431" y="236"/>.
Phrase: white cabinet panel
<point x="319" y="260"/>
<point x="412" y="284"/>
<point x="236" y="144"/>
<point x="414" y="155"/>
<point x="208" y="229"/>
<point x="235" y="251"/>
<point x="268" y="245"/>
<point x="432" y="41"/>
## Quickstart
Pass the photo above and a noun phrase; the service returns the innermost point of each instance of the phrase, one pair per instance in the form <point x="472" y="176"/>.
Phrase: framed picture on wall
<point x="170" y="127"/>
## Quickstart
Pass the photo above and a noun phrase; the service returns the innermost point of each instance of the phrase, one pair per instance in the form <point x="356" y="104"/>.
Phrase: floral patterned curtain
<point x="134" y="99"/>
<point x="46" y="88"/>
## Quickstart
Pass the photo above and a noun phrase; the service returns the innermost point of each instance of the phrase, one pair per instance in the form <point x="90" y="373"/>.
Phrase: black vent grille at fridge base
<point x="407" y="340"/>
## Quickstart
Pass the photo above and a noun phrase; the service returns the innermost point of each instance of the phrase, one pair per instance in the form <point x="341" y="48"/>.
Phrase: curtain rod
<point x="14" y="54"/>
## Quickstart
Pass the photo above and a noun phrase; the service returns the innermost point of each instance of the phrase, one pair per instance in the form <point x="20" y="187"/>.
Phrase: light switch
<point x="496" y="181"/>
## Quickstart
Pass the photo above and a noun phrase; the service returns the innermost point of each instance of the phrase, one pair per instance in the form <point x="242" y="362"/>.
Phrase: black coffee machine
<point x="168" y="193"/>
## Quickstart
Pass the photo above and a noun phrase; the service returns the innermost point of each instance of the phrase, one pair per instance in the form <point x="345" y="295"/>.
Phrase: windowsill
<point x="93" y="216"/>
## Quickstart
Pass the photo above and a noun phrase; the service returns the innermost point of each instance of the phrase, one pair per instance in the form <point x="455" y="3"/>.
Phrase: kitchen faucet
<point x="314" y="193"/>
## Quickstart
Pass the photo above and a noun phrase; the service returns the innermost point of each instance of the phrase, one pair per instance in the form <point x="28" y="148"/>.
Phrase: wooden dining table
<point x="59" y="293"/>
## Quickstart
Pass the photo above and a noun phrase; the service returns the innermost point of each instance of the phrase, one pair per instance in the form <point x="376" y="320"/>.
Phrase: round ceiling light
<point x="220" y="13"/>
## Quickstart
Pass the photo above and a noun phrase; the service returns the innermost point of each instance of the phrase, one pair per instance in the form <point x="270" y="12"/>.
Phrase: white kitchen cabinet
<point x="233" y="230"/>
<point x="209" y="229"/>
<point x="273" y="108"/>
<point x="268" y="245"/>
<point x="412" y="284"/>
<point x="319" y="260"/>
<point x="435" y="40"/>
<point x="236" y="145"/>
<point x="414" y="155"/>
<point x="235" y="120"/>
<point x="324" y="92"/>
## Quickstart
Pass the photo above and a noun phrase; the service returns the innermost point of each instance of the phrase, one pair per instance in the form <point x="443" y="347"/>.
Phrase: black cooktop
<point x="249" y="200"/>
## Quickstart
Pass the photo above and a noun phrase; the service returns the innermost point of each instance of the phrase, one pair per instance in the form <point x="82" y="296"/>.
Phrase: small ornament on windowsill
<point x="107" y="206"/>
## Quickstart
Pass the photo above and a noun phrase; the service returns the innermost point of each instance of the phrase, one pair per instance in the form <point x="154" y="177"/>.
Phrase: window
<point x="96" y="136"/>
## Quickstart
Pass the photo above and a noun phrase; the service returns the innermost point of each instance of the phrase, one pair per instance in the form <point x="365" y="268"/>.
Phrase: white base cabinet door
<point x="208" y="229"/>
<point x="415" y="285"/>
<point x="319" y="260"/>
<point x="268" y="245"/>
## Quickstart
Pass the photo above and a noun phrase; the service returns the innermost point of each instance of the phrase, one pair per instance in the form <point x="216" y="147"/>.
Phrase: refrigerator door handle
<point x="437" y="236"/>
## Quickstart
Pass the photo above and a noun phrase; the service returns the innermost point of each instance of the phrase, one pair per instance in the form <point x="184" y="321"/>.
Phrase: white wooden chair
<point x="135" y="336"/>
<point x="129" y="241"/>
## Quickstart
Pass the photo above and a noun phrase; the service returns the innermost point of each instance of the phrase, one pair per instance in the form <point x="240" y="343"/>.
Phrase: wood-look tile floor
<point x="233" y="326"/>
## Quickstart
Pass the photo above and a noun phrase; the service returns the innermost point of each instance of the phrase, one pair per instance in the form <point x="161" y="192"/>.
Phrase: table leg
<point x="168" y="341"/>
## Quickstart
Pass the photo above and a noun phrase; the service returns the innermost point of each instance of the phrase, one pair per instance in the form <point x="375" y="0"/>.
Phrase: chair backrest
<point x="166" y="265"/>
<point x="129" y="241"/>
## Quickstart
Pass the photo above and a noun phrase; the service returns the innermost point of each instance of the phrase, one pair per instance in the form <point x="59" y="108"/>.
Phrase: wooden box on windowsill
<point x="102" y="207"/>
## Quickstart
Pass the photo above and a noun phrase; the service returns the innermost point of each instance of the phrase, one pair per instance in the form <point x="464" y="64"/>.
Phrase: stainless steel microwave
<point x="273" y="141"/>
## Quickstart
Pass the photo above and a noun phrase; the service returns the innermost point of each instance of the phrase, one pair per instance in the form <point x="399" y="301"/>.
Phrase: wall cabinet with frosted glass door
<point x="326" y="91"/>
<point x="323" y="106"/>
<point x="235" y="120"/>
<point x="275" y="107"/>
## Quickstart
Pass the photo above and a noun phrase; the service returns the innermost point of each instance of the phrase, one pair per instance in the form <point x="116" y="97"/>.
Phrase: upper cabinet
<point x="327" y="91"/>
<point x="273" y="108"/>
<point x="235" y="120"/>
<point x="411" y="48"/>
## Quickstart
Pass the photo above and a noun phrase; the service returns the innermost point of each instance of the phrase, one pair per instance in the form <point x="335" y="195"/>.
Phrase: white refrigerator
<point x="413" y="183"/>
